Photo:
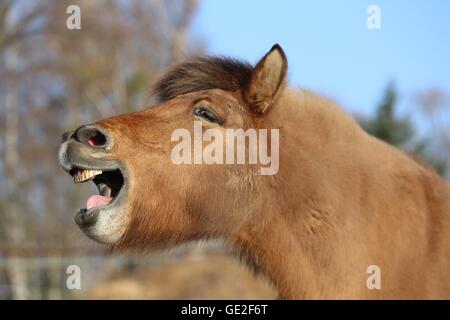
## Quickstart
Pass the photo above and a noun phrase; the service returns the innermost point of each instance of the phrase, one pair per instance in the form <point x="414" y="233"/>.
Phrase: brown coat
<point x="341" y="201"/>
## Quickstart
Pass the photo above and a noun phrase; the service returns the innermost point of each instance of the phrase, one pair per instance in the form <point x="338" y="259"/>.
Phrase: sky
<point x="331" y="50"/>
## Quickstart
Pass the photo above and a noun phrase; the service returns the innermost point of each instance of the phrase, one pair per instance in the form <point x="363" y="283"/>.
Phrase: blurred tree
<point x="434" y="108"/>
<point x="385" y="125"/>
<point x="53" y="79"/>
<point x="17" y="22"/>
<point x="23" y="25"/>
<point x="400" y="132"/>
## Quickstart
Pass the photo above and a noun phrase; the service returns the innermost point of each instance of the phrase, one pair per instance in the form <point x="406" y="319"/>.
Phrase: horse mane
<point x="203" y="73"/>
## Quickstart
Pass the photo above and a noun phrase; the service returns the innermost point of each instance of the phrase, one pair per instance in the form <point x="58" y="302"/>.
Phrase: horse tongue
<point x="97" y="201"/>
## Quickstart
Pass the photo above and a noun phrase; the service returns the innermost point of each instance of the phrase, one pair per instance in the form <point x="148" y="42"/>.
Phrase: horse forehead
<point x="126" y="122"/>
<point x="215" y="95"/>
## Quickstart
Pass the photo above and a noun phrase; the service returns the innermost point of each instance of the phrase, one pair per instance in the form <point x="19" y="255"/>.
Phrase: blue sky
<point x="330" y="49"/>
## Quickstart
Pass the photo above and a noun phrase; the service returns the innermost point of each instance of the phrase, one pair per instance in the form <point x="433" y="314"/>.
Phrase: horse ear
<point x="267" y="80"/>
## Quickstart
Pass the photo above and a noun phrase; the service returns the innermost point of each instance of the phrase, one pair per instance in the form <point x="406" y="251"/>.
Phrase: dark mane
<point x="203" y="73"/>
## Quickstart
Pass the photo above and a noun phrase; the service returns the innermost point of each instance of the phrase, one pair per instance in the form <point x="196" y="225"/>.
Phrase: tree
<point x="400" y="131"/>
<point x="12" y="32"/>
<point x="53" y="79"/>
<point x="434" y="109"/>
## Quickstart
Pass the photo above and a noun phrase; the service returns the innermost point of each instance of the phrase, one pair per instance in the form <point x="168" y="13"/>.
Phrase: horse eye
<point x="206" y="114"/>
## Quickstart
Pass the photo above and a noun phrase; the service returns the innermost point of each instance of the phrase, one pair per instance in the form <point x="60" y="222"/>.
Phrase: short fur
<point x="341" y="201"/>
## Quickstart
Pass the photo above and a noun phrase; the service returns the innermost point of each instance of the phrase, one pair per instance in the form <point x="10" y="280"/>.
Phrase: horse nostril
<point x="91" y="136"/>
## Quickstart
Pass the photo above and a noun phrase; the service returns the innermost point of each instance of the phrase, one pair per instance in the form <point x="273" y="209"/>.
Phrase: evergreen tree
<point x="387" y="126"/>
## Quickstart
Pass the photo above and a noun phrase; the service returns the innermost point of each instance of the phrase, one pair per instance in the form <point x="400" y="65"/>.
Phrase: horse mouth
<point x="110" y="184"/>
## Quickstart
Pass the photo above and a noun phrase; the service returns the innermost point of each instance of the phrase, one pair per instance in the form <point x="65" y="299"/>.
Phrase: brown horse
<point x="340" y="202"/>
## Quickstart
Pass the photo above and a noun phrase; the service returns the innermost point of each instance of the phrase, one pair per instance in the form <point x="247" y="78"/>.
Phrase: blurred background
<point x="395" y="80"/>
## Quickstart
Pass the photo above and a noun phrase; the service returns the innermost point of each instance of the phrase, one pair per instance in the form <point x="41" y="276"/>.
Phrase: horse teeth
<point x="84" y="175"/>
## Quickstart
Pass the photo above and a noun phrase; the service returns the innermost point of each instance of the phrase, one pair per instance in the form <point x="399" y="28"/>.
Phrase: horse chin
<point x="104" y="217"/>
<point x="102" y="224"/>
<point x="106" y="221"/>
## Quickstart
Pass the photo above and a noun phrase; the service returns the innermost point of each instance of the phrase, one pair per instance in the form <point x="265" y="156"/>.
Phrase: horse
<point x="341" y="203"/>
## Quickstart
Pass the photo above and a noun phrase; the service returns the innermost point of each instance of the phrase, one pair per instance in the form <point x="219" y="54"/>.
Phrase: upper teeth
<point x="84" y="175"/>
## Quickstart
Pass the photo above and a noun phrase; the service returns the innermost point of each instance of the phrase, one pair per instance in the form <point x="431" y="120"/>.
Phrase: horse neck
<point x="326" y="194"/>
<point x="271" y="247"/>
<point x="286" y="234"/>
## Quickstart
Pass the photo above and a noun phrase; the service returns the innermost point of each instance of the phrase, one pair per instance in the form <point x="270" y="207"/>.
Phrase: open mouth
<point x="109" y="184"/>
